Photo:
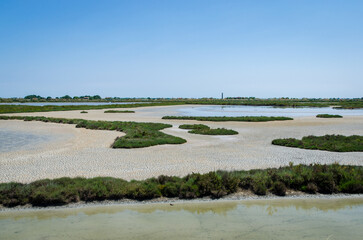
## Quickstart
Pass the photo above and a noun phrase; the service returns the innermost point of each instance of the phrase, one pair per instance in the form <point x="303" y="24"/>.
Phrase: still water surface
<point x="11" y="140"/>
<point x="233" y="111"/>
<point x="251" y="219"/>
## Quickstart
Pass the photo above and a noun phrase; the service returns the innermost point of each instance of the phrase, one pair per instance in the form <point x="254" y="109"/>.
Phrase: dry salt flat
<point x="87" y="153"/>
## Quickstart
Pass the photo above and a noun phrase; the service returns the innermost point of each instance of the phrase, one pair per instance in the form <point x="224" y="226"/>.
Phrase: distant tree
<point x="96" y="97"/>
<point x="66" y="97"/>
<point x="33" y="96"/>
<point x="49" y="98"/>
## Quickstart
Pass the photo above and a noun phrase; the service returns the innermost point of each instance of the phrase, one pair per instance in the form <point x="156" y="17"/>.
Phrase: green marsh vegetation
<point x="49" y="108"/>
<point x="278" y="102"/>
<point x="138" y="135"/>
<point x="225" y="119"/>
<point x="311" y="179"/>
<point x="328" y="116"/>
<point x="333" y="143"/>
<point x="119" y="111"/>
<point x="84" y="112"/>
<point x="205" y="130"/>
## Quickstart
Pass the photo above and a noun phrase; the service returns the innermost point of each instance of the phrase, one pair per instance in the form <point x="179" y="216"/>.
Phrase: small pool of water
<point x="11" y="140"/>
<point x="251" y="219"/>
<point x="69" y="103"/>
<point x="234" y="111"/>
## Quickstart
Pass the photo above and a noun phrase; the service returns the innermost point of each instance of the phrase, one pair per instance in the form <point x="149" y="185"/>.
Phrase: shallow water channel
<point x="248" y="219"/>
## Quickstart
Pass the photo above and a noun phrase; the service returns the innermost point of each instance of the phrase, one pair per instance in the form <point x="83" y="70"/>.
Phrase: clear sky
<point x="307" y="48"/>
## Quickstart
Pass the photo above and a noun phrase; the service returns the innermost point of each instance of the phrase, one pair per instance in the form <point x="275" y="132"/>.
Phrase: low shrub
<point x="352" y="186"/>
<point x="310" y="188"/>
<point x="278" y="188"/>
<point x="259" y="187"/>
<point x="84" y="112"/>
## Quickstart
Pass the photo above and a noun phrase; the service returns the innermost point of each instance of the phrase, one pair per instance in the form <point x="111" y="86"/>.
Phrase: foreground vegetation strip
<point x="316" y="178"/>
<point x="138" y="135"/>
<point x="225" y="119"/>
<point x="333" y="143"/>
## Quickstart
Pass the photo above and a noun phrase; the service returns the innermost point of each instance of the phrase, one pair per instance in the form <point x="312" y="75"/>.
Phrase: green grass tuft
<point x="205" y="130"/>
<point x="194" y="126"/>
<point x="118" y="111"/>
<point x="328" y="116"/>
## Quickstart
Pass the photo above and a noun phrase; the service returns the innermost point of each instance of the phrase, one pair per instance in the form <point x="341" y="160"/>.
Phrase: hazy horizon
<point x="188" y="49"/>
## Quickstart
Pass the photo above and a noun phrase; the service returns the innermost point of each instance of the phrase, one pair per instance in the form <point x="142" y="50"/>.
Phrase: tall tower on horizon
<point x="222" y="95"/>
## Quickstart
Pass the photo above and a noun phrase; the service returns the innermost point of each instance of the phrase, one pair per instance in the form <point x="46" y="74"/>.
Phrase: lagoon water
<point x="234" y="111"/>
<point x="11" y="140"/>
<point x="248" y="219"/>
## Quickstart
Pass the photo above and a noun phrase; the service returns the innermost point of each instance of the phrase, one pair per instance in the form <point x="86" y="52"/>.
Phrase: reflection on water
<point x="251" y="219"/>
<point x="16" y="140"/>
<point x="231" y="111"/>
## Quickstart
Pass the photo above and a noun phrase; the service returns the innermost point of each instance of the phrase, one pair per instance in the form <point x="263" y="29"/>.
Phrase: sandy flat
<point x="87" y="153"/>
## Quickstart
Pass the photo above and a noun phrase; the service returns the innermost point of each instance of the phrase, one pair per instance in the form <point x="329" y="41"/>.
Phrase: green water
<point x="252" y="219"/>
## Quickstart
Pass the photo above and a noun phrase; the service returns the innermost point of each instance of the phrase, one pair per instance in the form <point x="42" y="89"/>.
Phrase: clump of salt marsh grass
<point x="205" y="130"/>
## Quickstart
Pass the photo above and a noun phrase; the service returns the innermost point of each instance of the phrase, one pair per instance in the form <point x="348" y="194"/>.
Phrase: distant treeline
<point x="344" y="103"/>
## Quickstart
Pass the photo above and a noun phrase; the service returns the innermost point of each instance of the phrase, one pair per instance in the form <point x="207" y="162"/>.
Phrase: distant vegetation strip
<point x="339" y="103"/>
<point x="205" y="130"/>
<point x="325" y="179"/>
<point x="138" y="135"/>
<point x="333" y="143"/>
<point x="328" y="116"/>
<point x="48" y="108"/>
<point x="118" y="111"/>
<point x="281" y="102"/>
<point x="224" y="119"/>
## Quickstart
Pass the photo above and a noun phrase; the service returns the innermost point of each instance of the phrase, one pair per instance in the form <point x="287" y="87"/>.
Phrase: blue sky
<point x="181" y="48"/>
